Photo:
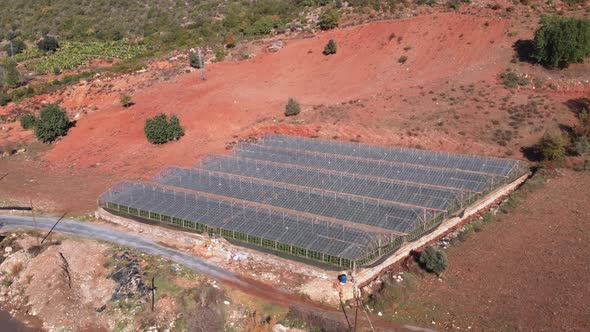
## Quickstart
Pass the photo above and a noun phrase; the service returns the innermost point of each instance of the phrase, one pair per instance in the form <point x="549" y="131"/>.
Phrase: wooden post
<point x="153" y="293"/>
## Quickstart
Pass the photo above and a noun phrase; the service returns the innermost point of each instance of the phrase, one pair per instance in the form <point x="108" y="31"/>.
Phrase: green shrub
<point x="262" y="26"/>
<point x="229" y="40"/>
<point x="52" y="123"/>
<point x="391" y="291"/>
<point x="583" y="166"/>
<point x="433" y="260"/>
<point x="553" y="146"/>
<point x="156" y="129"/>
<point x="9" y="75"/>
<point x="126" y="100"/>
<point x="159" y="129"/>
<point x="4" y="98"/>
<point x="219" y="54"/>
<point x="402" y="59"/>
<point x="330" y="48"/>
<point x="511" y="79"/>
<point x="561" y="41"/>
<point x="195" y="60"/>
<point x="510" y="203"/>
<point x="581" y="145"/>
<point x="329" y="19"/>
<point x="48" y="43"/>
<point x="27" y="121"/>
<point x="583" y="127"/>
<point x="574" y="2"/>
<point x="175" y="130"/>
<point x="292" y="107"/>
<point x="425" y="2"/>
<point x="488" y="217"/>
<point x="15" y="47"/>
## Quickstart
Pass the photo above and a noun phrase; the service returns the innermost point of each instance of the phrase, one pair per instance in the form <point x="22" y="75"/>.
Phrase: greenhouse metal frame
<point x="343" y="204"/>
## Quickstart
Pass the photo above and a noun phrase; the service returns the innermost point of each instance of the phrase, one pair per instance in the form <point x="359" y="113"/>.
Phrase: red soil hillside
<point x="237" y="94"/>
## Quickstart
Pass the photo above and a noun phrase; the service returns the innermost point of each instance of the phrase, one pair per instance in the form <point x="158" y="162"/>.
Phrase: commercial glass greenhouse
<point x="338" y="203"/>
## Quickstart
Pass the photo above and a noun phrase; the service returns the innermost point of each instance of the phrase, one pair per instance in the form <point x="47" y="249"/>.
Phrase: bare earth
<point x="526" y="271"/>
<point x="447" y="96"/>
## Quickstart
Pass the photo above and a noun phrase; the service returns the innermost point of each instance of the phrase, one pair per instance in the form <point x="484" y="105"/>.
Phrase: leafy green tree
<point x="159" y="129"/>
<point x="561" y="41"/>
<point x="27" y="121"/>
<point x="433" y="260"/>
<point x="292" y="107"/>
<point x="330" y="48"/>
<point x="329" y="19"/>
<point x="52" y="123"/>
<point x="553" y="146"/>
<point x="48" y="43"/>
<point x="14" y="47"/>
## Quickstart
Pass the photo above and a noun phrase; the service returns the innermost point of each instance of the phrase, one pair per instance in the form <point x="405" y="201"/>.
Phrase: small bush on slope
<point x="52" y="123"/>
<point x="159" y="129"/>
<point x="433" y="260"/>
<point x="292" y="107"/>
<point x="330" y="48"/>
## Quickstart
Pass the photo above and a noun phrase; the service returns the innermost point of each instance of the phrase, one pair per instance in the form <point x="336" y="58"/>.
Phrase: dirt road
<point x="145" y="245"/>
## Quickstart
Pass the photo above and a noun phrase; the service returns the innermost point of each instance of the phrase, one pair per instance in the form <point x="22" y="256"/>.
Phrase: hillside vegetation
<point x="161" y="23"/>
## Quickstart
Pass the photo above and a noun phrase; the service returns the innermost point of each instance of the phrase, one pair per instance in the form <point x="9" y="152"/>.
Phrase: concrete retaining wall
<point x="365" y="276"/>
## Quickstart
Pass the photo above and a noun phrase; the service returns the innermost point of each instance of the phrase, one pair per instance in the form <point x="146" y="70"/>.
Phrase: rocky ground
<point x="82" y="285"/>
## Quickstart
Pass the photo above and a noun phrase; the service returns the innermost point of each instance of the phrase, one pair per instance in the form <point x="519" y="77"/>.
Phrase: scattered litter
<point x="399" y="277"/>
<point x="226" y="302"/>
<point x="240" y="256"/>
<point x="379" y="313"/>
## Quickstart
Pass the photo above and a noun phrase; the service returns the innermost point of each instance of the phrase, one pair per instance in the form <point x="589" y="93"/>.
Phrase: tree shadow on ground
<point x="578" y="105"/>
<point x="524" y="50"/>
<point x="532" y="153"/>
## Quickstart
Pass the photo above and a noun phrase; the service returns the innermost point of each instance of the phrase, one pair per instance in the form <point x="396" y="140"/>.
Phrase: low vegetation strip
<point x="72" y="54"/>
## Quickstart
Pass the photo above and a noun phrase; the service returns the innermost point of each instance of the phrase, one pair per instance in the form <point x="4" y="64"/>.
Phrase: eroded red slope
<point x="237" y="94"/>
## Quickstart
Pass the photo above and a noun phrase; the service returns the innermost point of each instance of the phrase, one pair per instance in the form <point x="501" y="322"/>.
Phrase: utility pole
<point x="34" y="218"/>
<point x="51" y="230"/>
